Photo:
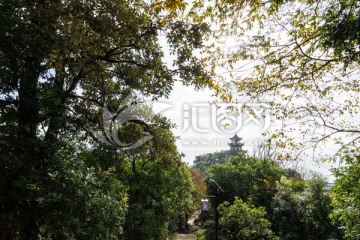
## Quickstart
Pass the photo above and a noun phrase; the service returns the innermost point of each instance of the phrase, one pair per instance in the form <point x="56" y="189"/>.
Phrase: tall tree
<point x="60" y="63"/>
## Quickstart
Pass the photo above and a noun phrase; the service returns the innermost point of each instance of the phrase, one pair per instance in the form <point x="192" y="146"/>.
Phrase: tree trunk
<point x="28" y="146"/>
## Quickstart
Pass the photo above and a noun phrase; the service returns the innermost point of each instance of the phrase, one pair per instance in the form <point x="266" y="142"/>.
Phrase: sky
<point x="202" y="127"/>
<point x="199" y="125"/>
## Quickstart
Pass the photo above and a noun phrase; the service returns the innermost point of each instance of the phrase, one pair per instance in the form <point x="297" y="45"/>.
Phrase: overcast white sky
<point x="199" y="123"/>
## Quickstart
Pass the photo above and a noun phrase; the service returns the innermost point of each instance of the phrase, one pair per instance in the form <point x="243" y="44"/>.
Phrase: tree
<point x="301" y="210"/>
<point x="265" y="150"/>
<point x="287" y="211"/>
<point x="341" y="30"/>
<point x="318" y="209"/>
<point x="345" y="196"/>
<point x="296" y="208"/>
<point x="241" y="220"/>
<point x="299" y="58"/>
<point x="246" y="178"/>
<point x="78" y="201"/>
<point x="198" y="180"/>
<point x="61" y="62"/>
<point x="159" y="199"/>
<point x="158" y="184"/>
<point x="203" y="162"/>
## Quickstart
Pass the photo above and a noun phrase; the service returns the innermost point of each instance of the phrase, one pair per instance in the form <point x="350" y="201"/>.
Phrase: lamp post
<point x="205" y="205"/>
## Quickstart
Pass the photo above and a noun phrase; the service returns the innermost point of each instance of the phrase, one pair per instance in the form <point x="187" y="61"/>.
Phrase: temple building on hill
<point x="235" y="144"/>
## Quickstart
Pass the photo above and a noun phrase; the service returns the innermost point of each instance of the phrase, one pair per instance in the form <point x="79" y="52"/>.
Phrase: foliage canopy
<point x="243" y="221"/>
<point x="61" y="62"/>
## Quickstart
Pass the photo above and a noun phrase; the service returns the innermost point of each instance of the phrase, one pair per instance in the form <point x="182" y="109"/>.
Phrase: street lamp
<point x="211" y="180"/>
<point x="205" y="205"/>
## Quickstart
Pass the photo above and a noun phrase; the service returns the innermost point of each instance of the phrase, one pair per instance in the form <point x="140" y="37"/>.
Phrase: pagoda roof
<point x="235" y="138"/>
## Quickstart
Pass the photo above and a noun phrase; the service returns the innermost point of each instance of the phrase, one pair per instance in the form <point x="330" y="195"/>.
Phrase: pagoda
<point x="235" y="144"/>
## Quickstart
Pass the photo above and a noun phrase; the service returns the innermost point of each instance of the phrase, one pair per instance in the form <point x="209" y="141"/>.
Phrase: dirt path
<point x="191" y="236"/>
<point x="179" y="236"/>
<point x="193" y="217"/>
